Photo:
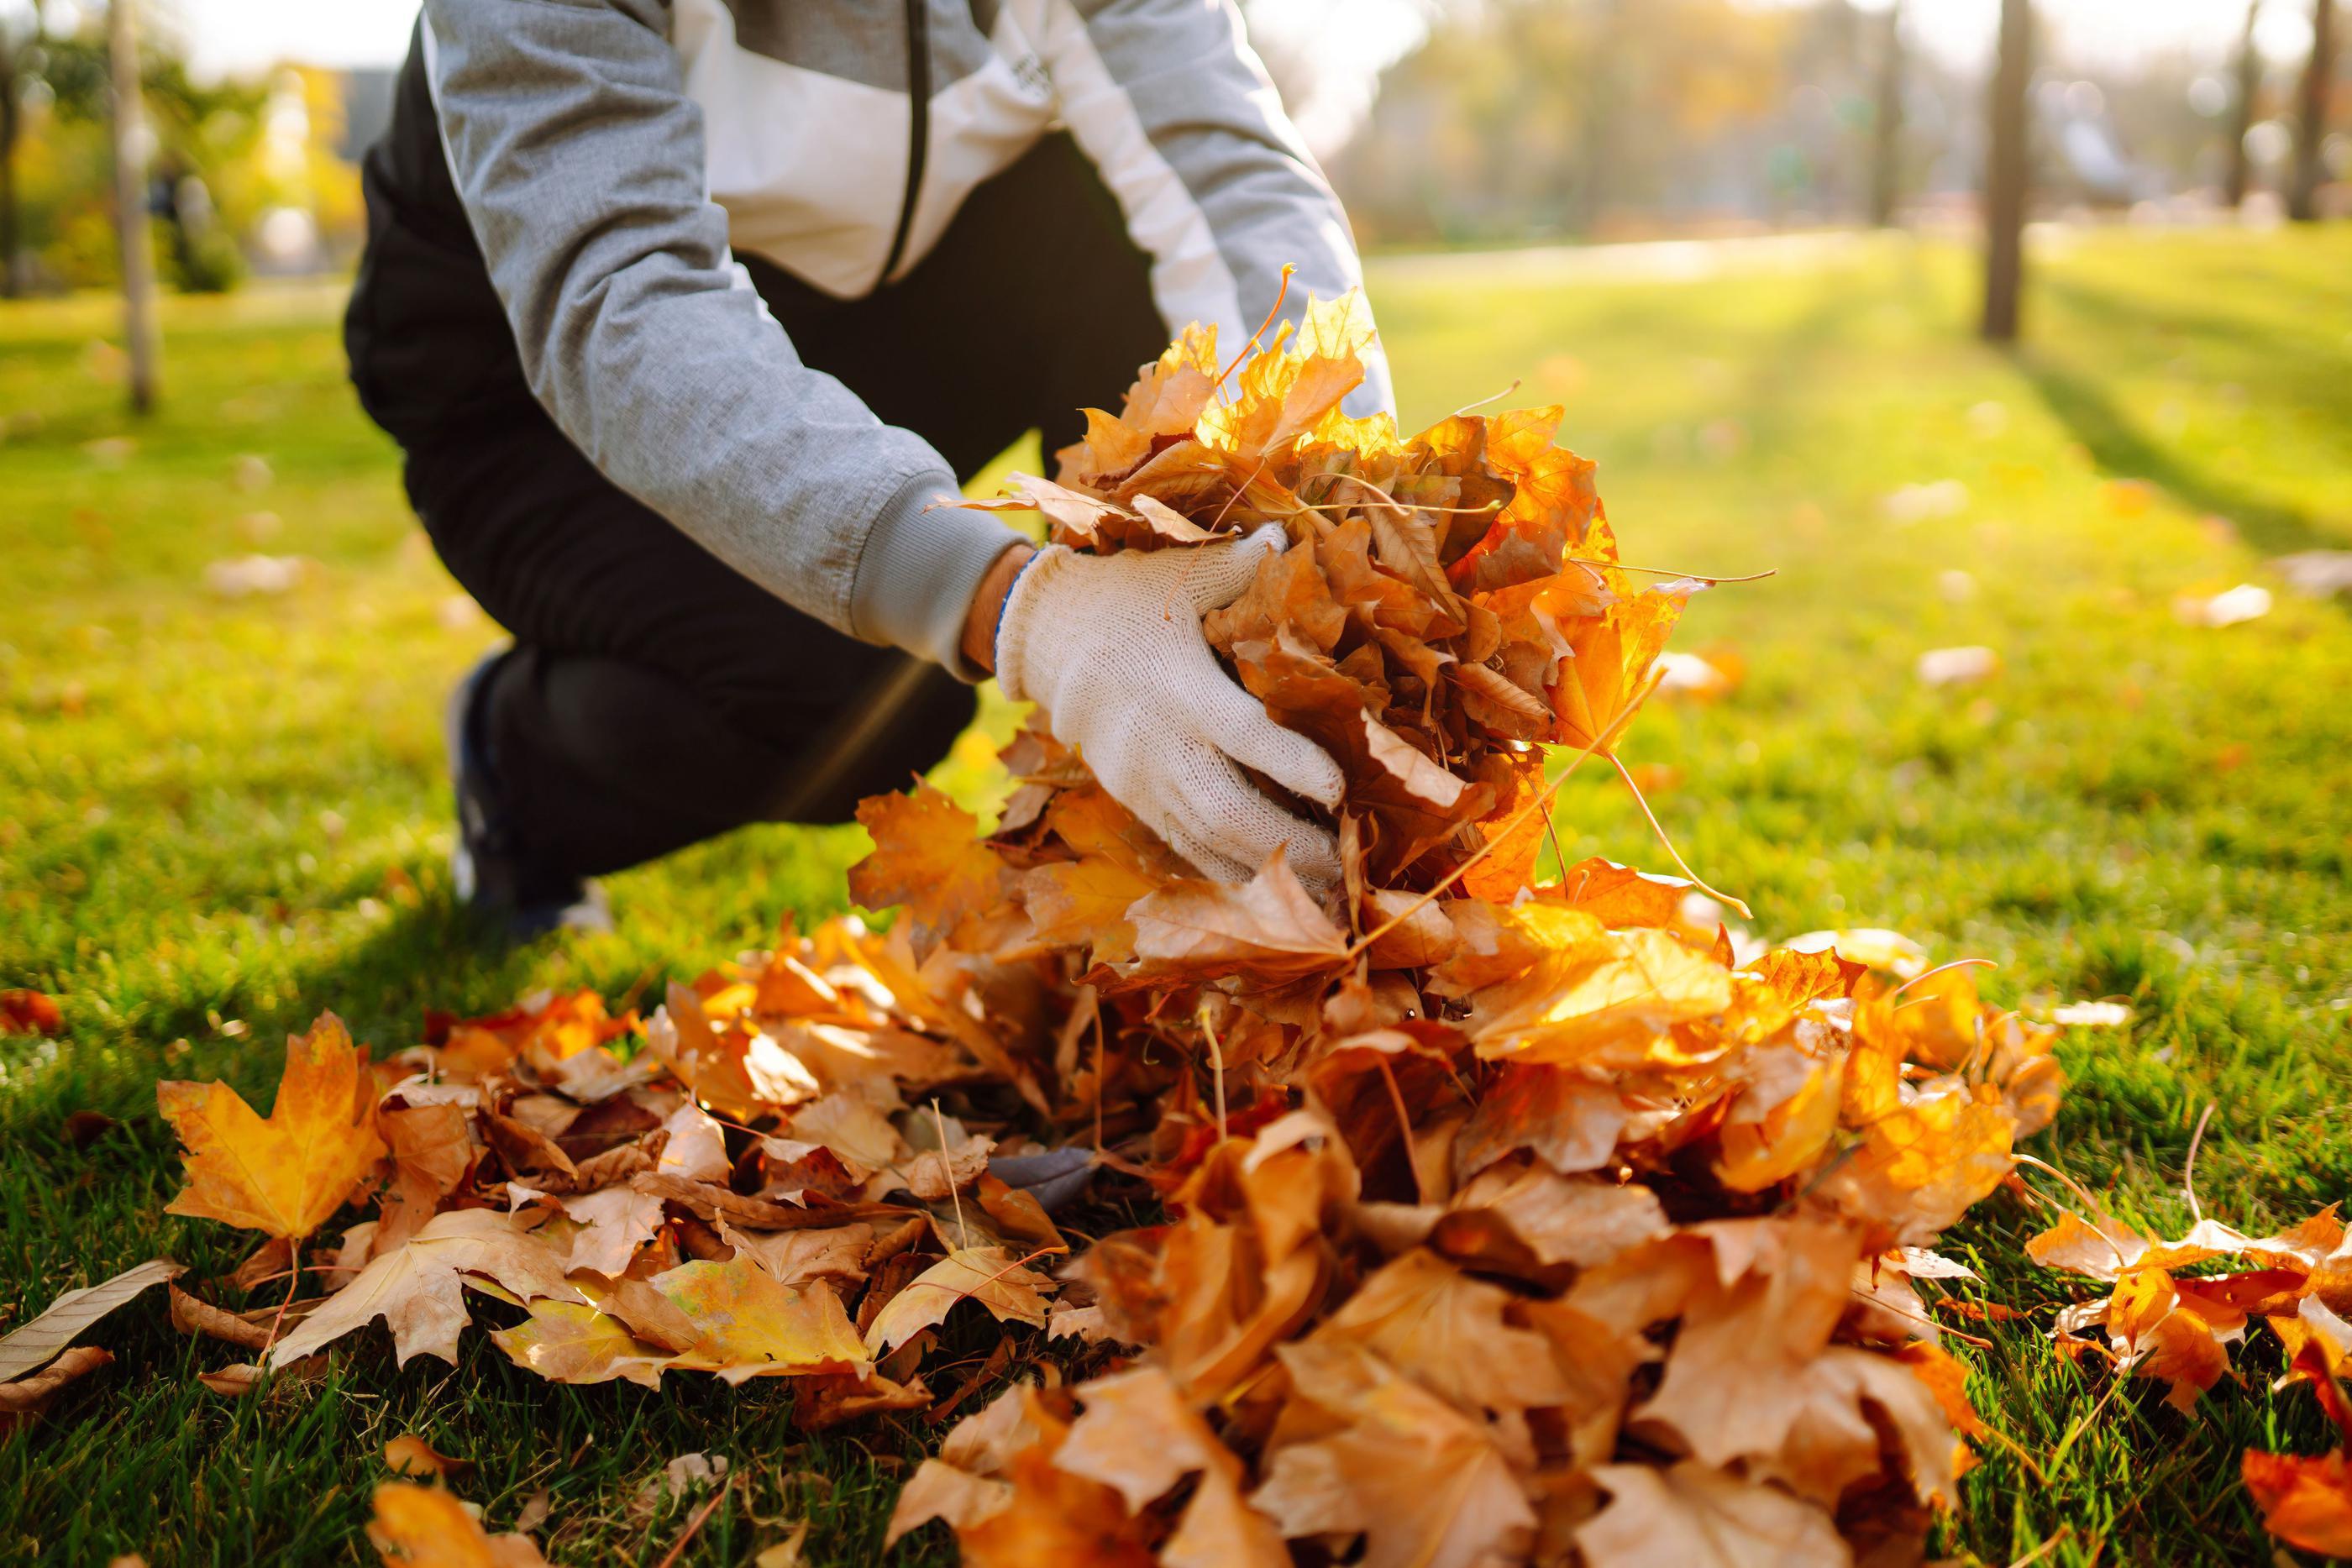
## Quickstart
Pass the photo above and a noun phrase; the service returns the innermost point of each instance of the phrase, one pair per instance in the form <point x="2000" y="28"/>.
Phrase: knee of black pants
<point x="901" y="724"/>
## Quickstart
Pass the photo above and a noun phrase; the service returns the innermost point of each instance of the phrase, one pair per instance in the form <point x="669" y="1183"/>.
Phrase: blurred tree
<point x="129" y="124"/>
<point x="19" y="47"/>
<point x="221" y="161"/>
<point x="1522" y="118"/>
<point x="2241" y="111"/>
<point x="1886" y="124"/>
<point x="11" y="283"/>
<point x="2312" y="105"/>
<point x="2006" y="173"/>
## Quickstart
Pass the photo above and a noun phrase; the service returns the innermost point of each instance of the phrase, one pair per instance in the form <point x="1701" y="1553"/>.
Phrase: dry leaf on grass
<point x="418" y="1289"/>
<point x="1267" y="931"/>
<point x="29" y="1012"/>
<point x="426" y="1526"/>
<point x="286" y="1173"/>
<point x="1702" y="1517"/>
<point x="994" y="1278"/>
<point x="410" y="1455"/>
<point x="36" y="1343"/>
<point x="2305" y="1501"/>
<point x="748" y="1326"/>
<point x="28" y="1396"/>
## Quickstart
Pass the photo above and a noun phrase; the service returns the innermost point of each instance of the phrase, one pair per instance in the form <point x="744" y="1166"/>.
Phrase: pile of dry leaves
<point x="1506" y="1222"/>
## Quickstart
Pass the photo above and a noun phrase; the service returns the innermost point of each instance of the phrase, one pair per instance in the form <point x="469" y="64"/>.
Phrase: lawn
<point x="219" y="816"/>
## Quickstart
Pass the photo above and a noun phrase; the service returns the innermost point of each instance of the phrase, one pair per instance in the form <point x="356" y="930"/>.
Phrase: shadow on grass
<point x="2309" y="367"/>
<point x="2120" y="448"/>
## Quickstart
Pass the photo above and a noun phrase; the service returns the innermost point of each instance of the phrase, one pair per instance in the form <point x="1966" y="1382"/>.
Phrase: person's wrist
<point x="980" y="621"/>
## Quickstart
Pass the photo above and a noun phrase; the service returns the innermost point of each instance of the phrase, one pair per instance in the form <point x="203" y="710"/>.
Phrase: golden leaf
<point x="1267" y="930"/>
<point x="1446" y="1330"/>
<point x="1697" y="1516"/>
<point x="417" y="1289"/>
<point x="1423" y="1484"/>
<point x="577" y="1342"/>
<point x="2305" y="1501"/>
<point x="286" y="1173"/>
<point x="426" y="1526"/>
<point x="927" y="857"/>
<point x="989" y="1275"/>
<point x="748" y="1326"/>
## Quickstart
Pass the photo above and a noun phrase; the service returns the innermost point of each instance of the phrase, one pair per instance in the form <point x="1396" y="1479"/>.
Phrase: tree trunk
<point x="130" y="130"/>
<point x="10" y="286"/>
<point x="2318" y="78"/>
<point x="1588" y="196"/>
<point x="2241" y="112"/>
<point x="2007" y="173"/>
<point x="1886" y="142"/>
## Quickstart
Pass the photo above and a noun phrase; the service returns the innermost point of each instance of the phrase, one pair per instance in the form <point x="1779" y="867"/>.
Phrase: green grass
<point x="218" y="817"/>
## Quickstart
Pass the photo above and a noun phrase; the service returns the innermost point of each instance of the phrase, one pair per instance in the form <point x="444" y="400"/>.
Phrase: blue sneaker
<point x="494" y="876"/>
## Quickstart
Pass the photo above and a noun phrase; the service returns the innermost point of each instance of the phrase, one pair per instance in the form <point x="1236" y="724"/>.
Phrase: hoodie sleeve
<point x="579" y="159"/>
<point x="1174" y="107"/>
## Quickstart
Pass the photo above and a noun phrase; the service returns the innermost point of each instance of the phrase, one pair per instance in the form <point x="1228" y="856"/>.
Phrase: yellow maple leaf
<point x="1616" y="651"/>
<point x="749" y="1325"/>
<point x="989" y="1275"/>
<point x="1289" y="387"/>
<point x="927" y="857"/>
<point x="285" y="1174"/>
<point x="426" y="1526"/>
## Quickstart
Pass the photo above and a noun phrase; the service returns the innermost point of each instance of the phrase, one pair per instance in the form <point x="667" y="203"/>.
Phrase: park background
<point x="2054" y="668"/>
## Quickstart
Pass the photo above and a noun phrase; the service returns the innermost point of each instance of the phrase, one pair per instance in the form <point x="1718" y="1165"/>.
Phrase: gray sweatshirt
<point x="612" y="155"/>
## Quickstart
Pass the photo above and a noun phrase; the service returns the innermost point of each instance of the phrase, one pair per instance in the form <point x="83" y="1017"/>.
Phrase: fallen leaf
<point x="28" y="1396"/>
<point x="2305" y="1501"/>
<point x="432" y="1148"/>
<point x="577" y="1342"/>
<point x="1696" y="1515"/>
<point x="1138" y="1437"/>
<point x="418" y="1288"/>
<point x="284" y="1174"/>
<point x="785" y="1553"/>
<point x="749" y="1325"/>
<point x="1267" y="930"/>
<point x="36" y="1343"/>
<point x="796" y="1257"/>
<point x="1423" y="1485"/>
<point x="989" y="1275"/>
<point x="29" y="1012"/>
<point x="428" y="1526"/>
<point x="927" y="857"/>
<point x="410" y="1455"/>
<point x="1446" y="1330"/>
<point x="193" y="1315"/>
<point x="683" y="1476"/>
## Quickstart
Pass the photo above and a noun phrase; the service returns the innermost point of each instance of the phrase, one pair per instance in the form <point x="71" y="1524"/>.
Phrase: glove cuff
<point x="1019" y="619"/>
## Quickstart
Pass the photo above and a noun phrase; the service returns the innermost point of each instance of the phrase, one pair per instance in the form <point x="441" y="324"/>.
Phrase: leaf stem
<point x="1279" y="295"/>
<point x="1673" y="853"/>
<point x="1216" y="1063"/>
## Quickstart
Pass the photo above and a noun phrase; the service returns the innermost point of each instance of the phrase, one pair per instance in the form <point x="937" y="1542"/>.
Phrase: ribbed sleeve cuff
<point x="919" y="570"/>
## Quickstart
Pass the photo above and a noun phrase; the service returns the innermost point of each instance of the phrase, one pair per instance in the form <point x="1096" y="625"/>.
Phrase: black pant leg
<point x="656" y="697"/>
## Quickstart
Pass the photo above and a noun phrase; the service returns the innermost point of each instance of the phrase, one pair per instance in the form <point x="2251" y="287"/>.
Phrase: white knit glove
<point x="1110" y="647"/>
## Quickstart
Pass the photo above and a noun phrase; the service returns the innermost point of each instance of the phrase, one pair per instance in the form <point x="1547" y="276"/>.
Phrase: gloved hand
<point x="1110" y="647"/>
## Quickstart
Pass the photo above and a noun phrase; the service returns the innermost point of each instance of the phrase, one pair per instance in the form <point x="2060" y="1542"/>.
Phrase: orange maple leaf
<point x="2306" y="1503"/>
<point x="428" y="1526"/>
<point x="927" y="857"/>
<point x="286" y="1173"/>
